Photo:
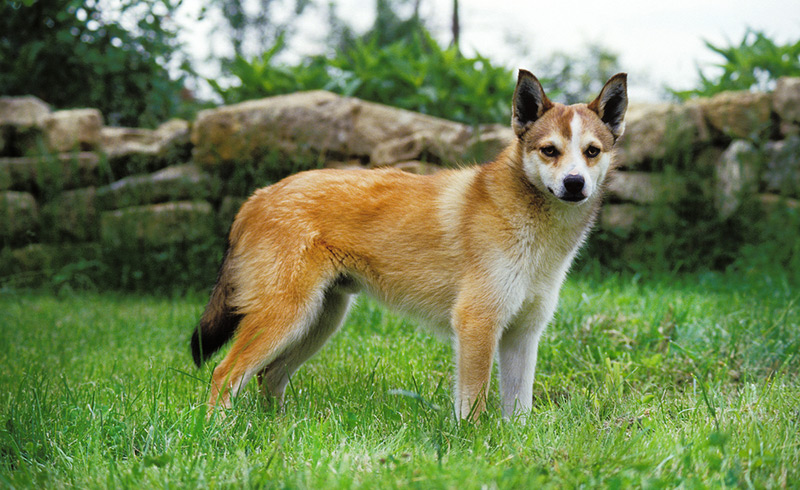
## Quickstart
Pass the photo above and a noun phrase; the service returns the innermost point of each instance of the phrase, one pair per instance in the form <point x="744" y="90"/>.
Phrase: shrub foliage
<point x="71" y="53"/>
<point x="754" y="64"/>
<point x="414" y="73"/>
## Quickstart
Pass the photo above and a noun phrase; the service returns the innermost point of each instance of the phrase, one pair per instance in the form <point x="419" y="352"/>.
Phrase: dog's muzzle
<point x="574" y="185"/>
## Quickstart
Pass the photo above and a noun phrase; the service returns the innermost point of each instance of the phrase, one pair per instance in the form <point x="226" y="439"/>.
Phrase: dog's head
<point x="567" y="150"/>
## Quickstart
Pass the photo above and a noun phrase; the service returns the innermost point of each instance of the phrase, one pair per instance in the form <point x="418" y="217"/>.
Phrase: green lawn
<point x="661" y="383"/>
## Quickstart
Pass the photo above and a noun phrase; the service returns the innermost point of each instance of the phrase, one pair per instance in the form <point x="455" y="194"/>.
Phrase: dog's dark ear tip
<point x="529" y="102"/>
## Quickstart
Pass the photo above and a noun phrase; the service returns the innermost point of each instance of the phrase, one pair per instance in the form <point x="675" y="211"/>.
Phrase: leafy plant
<point x="754" y="64"/>
<point x="413" y="73"/>
<point x="74" y="53"/>
<point x="576" y="78"/>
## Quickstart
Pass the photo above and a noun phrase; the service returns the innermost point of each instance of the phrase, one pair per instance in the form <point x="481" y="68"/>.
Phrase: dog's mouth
<point x="574" y="197"/>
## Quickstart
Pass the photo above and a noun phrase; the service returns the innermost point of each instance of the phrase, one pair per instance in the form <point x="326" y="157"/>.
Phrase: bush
<point x="413" y="73"/>
<point x="68" y="53"/>
<point x="755" y="64"/>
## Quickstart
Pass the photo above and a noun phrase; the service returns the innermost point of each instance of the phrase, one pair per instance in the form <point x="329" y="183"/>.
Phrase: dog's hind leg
<point x="280" y="320"/>
<point x="274" y="378"/>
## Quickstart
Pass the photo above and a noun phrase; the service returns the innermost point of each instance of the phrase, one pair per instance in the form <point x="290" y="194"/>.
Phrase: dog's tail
<point x="219" y="320"/>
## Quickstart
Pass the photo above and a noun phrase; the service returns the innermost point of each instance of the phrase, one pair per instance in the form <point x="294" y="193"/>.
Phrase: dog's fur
<point x="479" y="253"/>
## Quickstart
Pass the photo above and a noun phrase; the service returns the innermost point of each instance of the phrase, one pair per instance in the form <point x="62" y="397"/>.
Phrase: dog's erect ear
<point x="530" y="102"/>
<point x="612" y="103"/>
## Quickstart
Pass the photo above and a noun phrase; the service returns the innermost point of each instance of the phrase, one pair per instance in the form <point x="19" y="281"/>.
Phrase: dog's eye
<point x="549" y="151"/>
<point x="592" y="151"/>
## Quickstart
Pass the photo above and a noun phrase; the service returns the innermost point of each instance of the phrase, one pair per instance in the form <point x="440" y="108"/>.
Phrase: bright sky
<point x="659" y="43"/>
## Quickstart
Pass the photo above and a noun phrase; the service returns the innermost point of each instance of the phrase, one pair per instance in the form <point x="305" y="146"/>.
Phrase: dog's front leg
<point x="518" y="348"/>
<point x="475" y="345"/>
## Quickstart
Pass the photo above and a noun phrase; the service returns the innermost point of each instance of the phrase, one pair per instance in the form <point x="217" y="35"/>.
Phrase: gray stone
<point x="20" y="124"/>
<point x="62" y="171"/>
<point x="773" y="203"/>
<point x="72" y="215"/>
<point x="22" y="112"/>
<point x="179" y="182"/>
<point x="416" y="146"/>
<point x="33" y="262"/>
<point x="643" y="187"/>
<point x="137" y="149"/>
<point x="321" y="123"/>
<point x="781" y="172"/>
<point x="736" y="176"/>
<point x="19" y="217"/>
<point x="228" y="209"/>
<point x="653" y="130"/>
<point x="491" y="140"/>
<point x="786" y="99"/>
<point x="352" y="164"/>
<point x="72" y="129"/>
<point x="417" y="167"/>
<point x="621" y="217"/>
<point x="739" y="114"/>
<point x="157" y="225"/>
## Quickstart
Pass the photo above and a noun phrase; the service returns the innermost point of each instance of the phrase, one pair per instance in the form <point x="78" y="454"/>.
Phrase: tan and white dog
<point x="479" y="253"/>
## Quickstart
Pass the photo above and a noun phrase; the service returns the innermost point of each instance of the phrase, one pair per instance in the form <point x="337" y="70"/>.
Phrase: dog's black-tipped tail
<point x="219" y="320"/>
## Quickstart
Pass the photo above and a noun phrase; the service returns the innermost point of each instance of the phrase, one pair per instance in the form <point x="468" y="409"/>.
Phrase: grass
<point x="660" y="383"/>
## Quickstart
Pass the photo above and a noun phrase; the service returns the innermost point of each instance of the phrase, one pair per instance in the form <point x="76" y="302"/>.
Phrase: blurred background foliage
<point x="754" y="64"/>
<point x="398" y="62"/>
<point x="122" y="58"/>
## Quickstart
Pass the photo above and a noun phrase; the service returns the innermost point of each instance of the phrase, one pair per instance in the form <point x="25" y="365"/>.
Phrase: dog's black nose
<point x="574" y="183"/>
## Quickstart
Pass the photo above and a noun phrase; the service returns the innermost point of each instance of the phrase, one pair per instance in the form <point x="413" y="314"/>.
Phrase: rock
<point x="22" y="112"/>
<point x="179" y="182"/>
<point x="417" y="167"/>
<point x="621" y="217"/>
<point x="228" y="209"/>
<point x="485" y="146"/>
<point x="157" y="225"/>
<point x="782" y="169"/>
<point x="786" y="99"/>
<point x="739" y="114"/>
<point x="492" y="139"/>
<point x="73" y="129"/>
<point x="653" y="130"/>
<point x="247" y="131"/>
<point x="116" y="141"/>
<point x="56" y="263"/>
<point x="72" y="215"/>
<point x="374" y="124"/>
<point x="172" y="141"/>
<point x="643" y="187"/>
<point x="773" y="203"/>
<point x="706" y="160"/>
<point x="352" y="164"/>
<point x="131" y="150"/>
<point x="736" y="176"/>
<point x="19" y="217"/>
<point x="415" y="146"/>
<point x="20" y="124"/>
<point x="392" y="151"/>
<point x="32" y="258"/>
<point x="320" y="123"/>
<point x="62" y="171"/>
<point x="788" y="129"/>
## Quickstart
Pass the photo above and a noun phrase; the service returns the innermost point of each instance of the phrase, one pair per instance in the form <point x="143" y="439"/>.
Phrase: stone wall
<point x="67" y="180"/>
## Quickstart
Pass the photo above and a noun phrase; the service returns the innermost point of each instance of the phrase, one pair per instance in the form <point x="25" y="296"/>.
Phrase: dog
<point x="477" y="253"/>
